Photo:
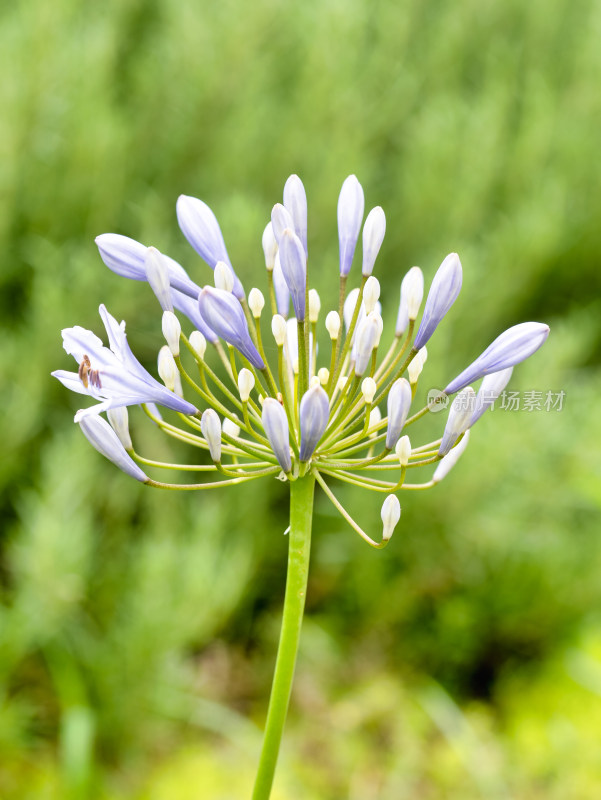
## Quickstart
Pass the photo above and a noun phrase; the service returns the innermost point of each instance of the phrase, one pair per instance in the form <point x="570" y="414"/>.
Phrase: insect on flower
<point x="287" y="415"/>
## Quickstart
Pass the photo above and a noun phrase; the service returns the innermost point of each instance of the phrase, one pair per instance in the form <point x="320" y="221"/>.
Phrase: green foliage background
<point x="137" y="631"/>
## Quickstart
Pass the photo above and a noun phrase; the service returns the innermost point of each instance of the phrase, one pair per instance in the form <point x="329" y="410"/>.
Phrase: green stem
<point x="301" y="515"/>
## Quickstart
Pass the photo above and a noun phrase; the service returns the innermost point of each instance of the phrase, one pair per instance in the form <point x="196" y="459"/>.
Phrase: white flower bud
<point x="256" y="302"/>
<point x="341" y="383"/>
<point x="403" y="450"/>
<point x="391" y="514"/>
<point x="167" y="368"/>
<point x="157" y="275"/>
<point x="230" y="428"/>
<point x="368" y="334"/>
<point x="270" y="246"/>
<point x="333" y="324"/>
<point x="368" y="388"/>
<point x="380" y="322"/>
<point x="278" y="328"/>
<point x="171" y="331"/>
<point x="373" y="236"/>
<point x="314" y="305"/>
<point x="423" y="354"/>
<point x="375" y="417"/>
<point x="198" y="343"/>
<point x="224" y="276"/>
<point x="211" y="430"/>
<point x="449" y="461"/>
<point x="246" y="383"/>
<point x="118" y="418"/>
<point x="371" y="294"/>
<point x="324" y="375"/>
<point x="415" y="368"/>
<point x="414" y="287"/>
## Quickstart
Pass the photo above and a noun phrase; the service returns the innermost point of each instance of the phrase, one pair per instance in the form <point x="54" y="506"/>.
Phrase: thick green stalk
<point x="299" y="546"/>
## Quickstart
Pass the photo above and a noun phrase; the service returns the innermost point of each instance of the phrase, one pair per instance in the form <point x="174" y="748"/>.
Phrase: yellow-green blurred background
<point x="138" y="630"/>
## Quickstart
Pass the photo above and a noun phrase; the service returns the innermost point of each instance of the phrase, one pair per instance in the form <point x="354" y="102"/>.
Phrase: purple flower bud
<point x="449" y="461"/>
<point x="314" y="414"/>
<point x="200" y="227"/>
<point x="282" y="293"/>
<point x="127" y="258"/>
<point x="490" y="388"/>
<point x="368" y="334"/>
<point x="101" y="436"/>
<point x="459" y="418"/>
<point x="276" y="427"/>
<point x="223" y="313"/>
<point x="373" y="236"/>
<point x="211" y="430"/>
<point x="350" y="215"/>
<point x="512" y="346"/>
<point x="398" y="404"/>
<point x="295" y="202"/>
<point x="280" y="220"/>
<point x="157" y="275"/>
<point x="293" y="260"/>
<point x="443" y="293"/>
<point x="190" y="308"/>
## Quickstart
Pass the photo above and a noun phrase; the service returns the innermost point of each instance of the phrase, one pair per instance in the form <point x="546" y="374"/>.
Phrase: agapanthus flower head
<point x="262" y="399"/>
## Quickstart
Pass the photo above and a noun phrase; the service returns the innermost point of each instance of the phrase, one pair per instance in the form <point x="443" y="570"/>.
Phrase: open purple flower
<point x="114" y="376"/>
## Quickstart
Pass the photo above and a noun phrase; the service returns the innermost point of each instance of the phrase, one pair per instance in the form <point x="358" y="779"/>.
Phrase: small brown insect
<point x="87" y="375"/>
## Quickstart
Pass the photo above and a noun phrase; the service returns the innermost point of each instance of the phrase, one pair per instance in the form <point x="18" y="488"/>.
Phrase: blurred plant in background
<point x="477" y="125"/>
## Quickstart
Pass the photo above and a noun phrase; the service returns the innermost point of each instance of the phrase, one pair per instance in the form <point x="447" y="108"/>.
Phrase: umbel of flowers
<point x="263" y="402"/>
<point x="348" y="418"/>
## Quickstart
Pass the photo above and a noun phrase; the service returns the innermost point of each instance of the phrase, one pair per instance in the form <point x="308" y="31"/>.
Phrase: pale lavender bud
<point x="210" y="426"/>
<point x="282" y="293"/>
<point x="403" y="450"/>
<point x="101" y="436"/>
<point x="119" y="420"/>
<point x="278" y="328"/>
<point x="391" y="514"/>
<point x="246" y="383"/>
<point x="295" y="202"/>
<point x="167" y="368"/>
<point x="349" y="308"/>
<point x="368" y="333"/>
<point x="314" y="305"/>
<point x="280" y="220"/>
<point x="172" y="330"/>
<point x="449" y="461"/>
<point x="373" y="236"/>
<point x="292" y="344"/>
<point x="368" y="389"/>
<point x="157" y="275"/>
<point x="507" y="350"/>
<point x="200" y="227"/>
<point x="223" y="277"/>
<point x="190" y="308"/>
<point x="371" y="293"/>
<point x="333" y="324"/>
<point x="293" y="260"/>
<point x="256" y="302"/>
<point x="398" y="405"/>
<point x="230" y="428"/>
<point x="270" y="246"/>
<point x="224" y="314"/>
<point x="314" y="414"/>
<point x="443" y="293"/>
<point x="459" y="418"/>
<point x="198" y="343"/>
<point x="490" y="388"/>
<point x="350" y="215"/>
<point x="275" y="424"/>
<point x="412" y="292"/>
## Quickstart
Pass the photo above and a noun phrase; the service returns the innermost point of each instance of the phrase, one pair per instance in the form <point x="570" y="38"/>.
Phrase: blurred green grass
<point x="136" y="652"/>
